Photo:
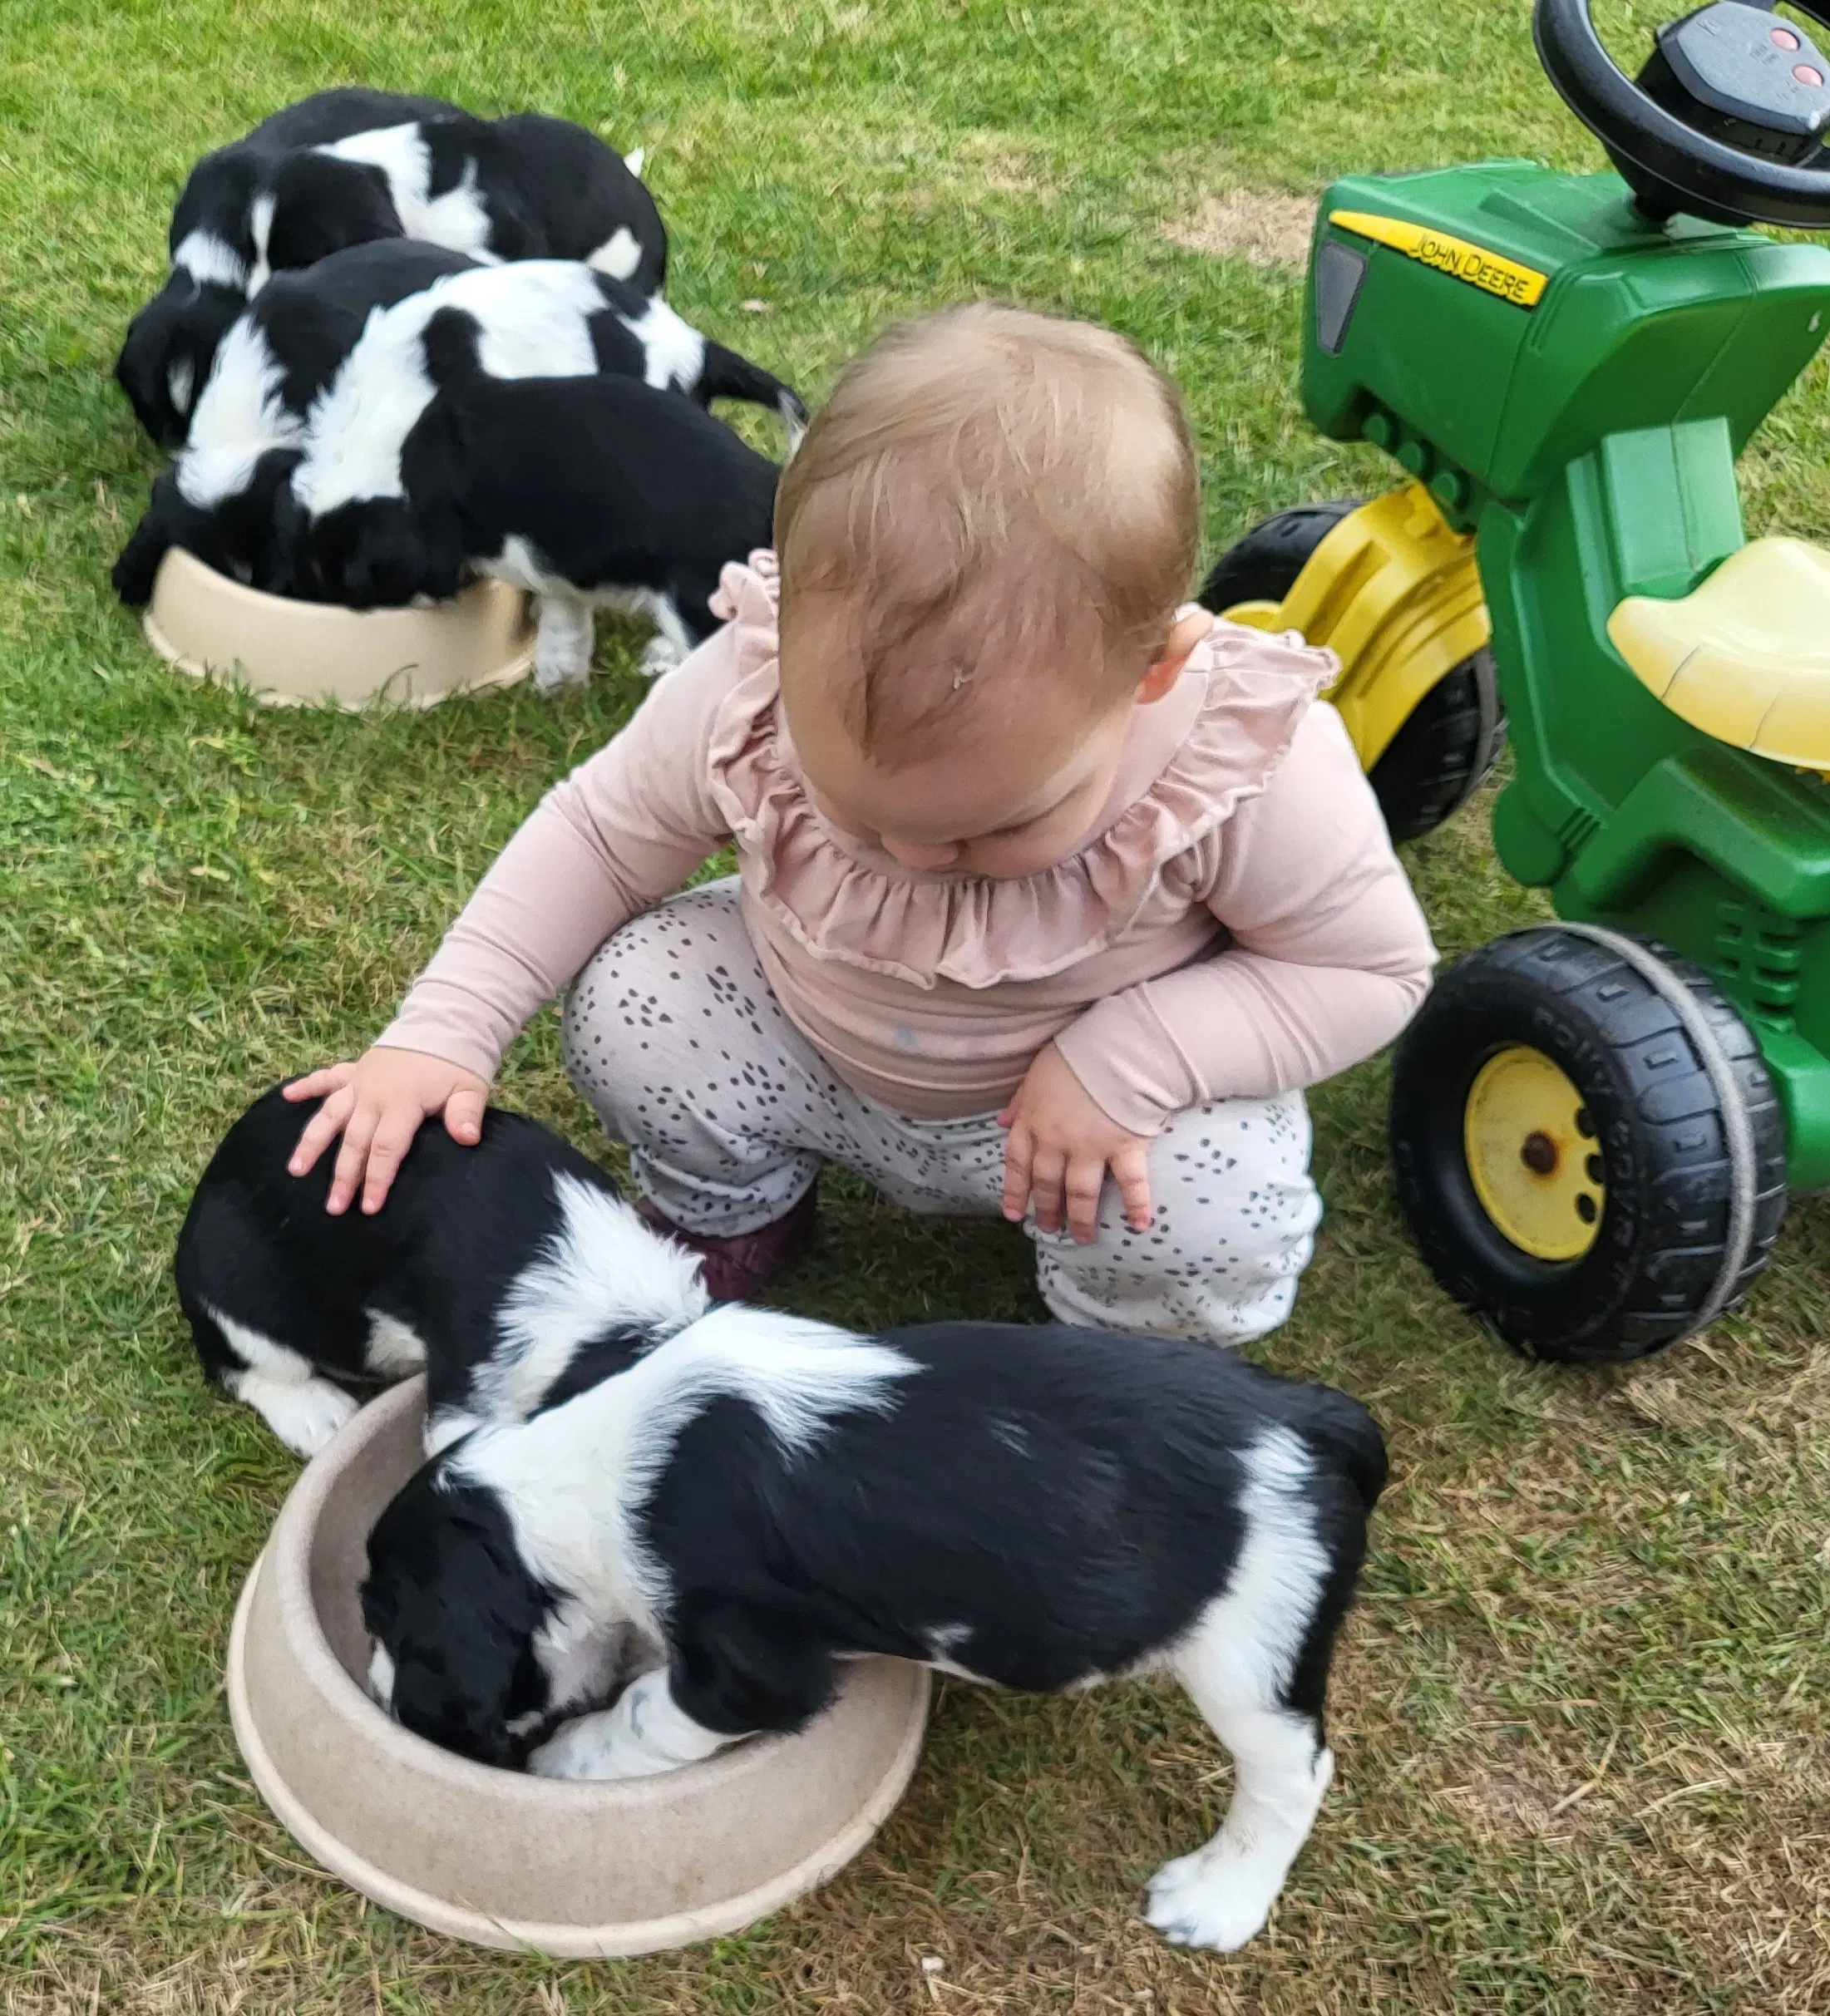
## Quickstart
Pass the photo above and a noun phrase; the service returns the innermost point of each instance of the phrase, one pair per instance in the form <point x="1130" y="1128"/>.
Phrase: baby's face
<point x="1009" y="799"/>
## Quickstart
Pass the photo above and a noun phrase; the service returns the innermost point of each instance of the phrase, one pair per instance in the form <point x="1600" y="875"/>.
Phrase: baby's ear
<point x="1185" y="633"/>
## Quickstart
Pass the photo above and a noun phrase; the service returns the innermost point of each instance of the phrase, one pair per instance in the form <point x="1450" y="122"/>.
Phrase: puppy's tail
<point x="1342" y="1430"/>
<point x="725" y="375"/>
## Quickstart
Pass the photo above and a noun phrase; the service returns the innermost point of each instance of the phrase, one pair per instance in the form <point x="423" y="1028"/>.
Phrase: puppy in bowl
<point x="277" y="356"/>
<point x="754" y="1497"/>
<point x="591" y="493"/>
<point x="328" y="369"/>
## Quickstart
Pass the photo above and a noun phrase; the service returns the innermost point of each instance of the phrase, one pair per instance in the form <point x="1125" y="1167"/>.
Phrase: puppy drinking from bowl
<point x="756" y="1497"/>
<point x="318" y="390"/>
<point x="277" y="357"/>
<point x="590" y="492"/>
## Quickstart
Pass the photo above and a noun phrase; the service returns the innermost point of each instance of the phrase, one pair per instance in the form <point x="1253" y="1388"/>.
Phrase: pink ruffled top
<point x="1233" y="922"/>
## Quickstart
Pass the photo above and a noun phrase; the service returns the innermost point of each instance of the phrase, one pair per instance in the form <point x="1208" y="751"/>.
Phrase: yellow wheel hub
<point x="1532" y="1155"/>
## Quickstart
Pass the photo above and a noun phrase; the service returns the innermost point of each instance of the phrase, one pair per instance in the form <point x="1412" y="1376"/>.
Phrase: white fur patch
<point x="520" y="565"/>
<point x="618" y="255"/>
<point x="394" y="1349"/>
<point x="634" y="159"/>
<point x="534" y="321"/>
<point x="1237" y="1664"/>
<point x="564" y="639"/>
<point x="240" y="417"/>
<point x="674" y="350"/>
<point x="602" y="1269"/>
<point x="646" y="1734"/>
<point x="283" y="1388"/>
<point x="260" y="226"/>
<point x="572" y="1477"/>
<point x="445" y="1426"/>
<point x="1256" y="1629"/>
<point x="942" y="1641"/>
<point x="210" y="261"/>
<point x="180" y="381"/>
<point x="582" y="1658"/>
<point x="380" y="1678"/>
<point x="457" y="219"/>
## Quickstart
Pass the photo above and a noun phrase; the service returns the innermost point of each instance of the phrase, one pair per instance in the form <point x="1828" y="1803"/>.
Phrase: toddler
<point x="1052" y="892"/>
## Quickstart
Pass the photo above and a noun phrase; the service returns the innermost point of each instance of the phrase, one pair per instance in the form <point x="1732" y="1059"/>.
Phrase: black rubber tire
<point x="1444" y="752"/>
<point x="1657" y="1270"/>
<point x="1447" y="746"/>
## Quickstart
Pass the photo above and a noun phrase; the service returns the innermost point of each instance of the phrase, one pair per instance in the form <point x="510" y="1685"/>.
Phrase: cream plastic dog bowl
<point x="497" y="1856"/>
<point x="290" y="653"/>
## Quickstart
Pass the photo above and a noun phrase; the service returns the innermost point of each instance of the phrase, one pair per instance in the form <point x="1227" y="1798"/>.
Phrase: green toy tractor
<point x="1596" y="1122"/>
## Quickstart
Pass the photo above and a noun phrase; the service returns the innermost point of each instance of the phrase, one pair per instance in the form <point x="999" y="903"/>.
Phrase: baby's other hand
<point x="1061" y="1145"/>
<point x="377" y="1105"/>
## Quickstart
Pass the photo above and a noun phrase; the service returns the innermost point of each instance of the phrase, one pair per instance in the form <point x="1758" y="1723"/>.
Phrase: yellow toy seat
<point x="1746" y="657"/>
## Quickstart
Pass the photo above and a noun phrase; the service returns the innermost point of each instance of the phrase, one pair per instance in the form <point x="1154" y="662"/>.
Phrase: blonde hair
<point x="989" y="491"/>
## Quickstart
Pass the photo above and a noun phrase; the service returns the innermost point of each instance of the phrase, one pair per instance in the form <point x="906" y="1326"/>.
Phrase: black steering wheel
<point x="1727" y="121"/>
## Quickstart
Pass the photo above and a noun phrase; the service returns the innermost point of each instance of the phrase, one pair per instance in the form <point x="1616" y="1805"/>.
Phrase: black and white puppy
<point x="348" y="167"/>
<point x="171" y="342"/>
<point x="292" y="1311"/>
<point x="279" y="353"/>
<point x="590" y="492"/>
<point x="526" y="187"/>
<point x="757" y="1498"/>
<point x="312" y="390"/>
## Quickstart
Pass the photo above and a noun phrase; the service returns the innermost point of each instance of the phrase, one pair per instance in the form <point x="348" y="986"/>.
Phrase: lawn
<point x="1580" y="1714"/>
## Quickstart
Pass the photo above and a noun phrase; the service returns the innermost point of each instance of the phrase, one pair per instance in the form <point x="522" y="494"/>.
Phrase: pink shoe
<point x="737" y="1266"/>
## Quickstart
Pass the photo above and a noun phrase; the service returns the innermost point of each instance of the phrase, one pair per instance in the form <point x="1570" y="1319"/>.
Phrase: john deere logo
<point x="1472" y="264"/>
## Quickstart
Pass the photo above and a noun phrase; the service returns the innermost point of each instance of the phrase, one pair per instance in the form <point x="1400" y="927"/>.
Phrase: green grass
<point x="1580" y="1714"/>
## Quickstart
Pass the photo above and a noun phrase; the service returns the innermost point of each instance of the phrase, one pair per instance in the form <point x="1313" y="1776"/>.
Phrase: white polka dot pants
<point x="673" y="1036"/>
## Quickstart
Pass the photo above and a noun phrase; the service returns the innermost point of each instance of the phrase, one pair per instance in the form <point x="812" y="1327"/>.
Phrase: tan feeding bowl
<point x="289" y="654"/>
<point x="577" y="1871"/>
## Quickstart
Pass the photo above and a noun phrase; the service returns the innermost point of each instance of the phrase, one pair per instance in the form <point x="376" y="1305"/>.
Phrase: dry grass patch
<point x="1267" y="227"/>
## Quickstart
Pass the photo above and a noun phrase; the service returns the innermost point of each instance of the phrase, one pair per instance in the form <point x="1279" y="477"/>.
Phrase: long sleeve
<point x="1330" y="954"/>
<point x="626" y="828"/>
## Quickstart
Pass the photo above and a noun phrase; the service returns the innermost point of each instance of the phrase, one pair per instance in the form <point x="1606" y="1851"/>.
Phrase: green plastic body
<point x="1590" y="442"/>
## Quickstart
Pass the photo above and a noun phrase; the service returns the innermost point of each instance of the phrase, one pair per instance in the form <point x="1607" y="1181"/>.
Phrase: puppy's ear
<point x="257" y="519"/>
<point x="291" y="569"/>
<point x="143" y="368"/>
<point x="401" y="553"/>
<point x="381" y="572"/>
<point x="450" y="1599"/>
<point x="322" y="205"/>
<point x="166" y="522"/>
<point x="171" y="345"/>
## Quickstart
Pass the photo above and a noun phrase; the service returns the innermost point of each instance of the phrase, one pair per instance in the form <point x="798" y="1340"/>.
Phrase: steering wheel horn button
<point x="1746" y="80"/>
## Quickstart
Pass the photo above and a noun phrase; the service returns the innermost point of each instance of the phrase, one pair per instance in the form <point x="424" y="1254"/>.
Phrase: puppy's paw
<point x="1203" y="1900"/>
<point x="558" y="671"/>
<point x="662" y="655"/>
<point x="583" y="1748"/>
<point x="563" y="640"/>
<point x="304" y="1415"/>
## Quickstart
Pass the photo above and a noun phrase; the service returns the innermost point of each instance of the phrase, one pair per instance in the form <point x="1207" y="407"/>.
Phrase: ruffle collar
<point x="978" y="933"/>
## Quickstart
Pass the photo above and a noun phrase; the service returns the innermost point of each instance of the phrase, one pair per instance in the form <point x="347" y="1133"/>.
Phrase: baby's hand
<point x="1061" y="1141"/>
<point x="377" y="1104"/>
